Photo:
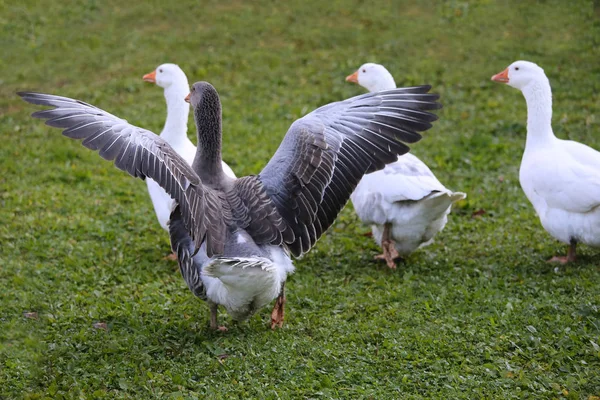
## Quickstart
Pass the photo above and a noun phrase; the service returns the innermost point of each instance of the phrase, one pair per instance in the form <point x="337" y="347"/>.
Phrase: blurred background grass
<point x="477" y="315"/>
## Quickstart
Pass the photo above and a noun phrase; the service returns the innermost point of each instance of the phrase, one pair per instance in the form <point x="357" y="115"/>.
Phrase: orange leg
<point x="571" y="255"/>
<point x="213" y="318"/>
<point x="278" y="313"/>
<point x="389" y="249"/>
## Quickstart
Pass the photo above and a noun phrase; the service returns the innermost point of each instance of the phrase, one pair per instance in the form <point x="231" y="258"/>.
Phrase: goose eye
<point x="516" y="68"/>
<point x="160" y="70"/>
<point x="364" y="71"/>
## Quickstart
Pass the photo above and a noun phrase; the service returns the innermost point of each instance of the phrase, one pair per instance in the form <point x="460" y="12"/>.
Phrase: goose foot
<point x="171" y="257"/>
<point x="389" y="253"/>
<point x="558" y="259"/>
<point x="571" y="255"/>
<point x="222" y="328"/>
<point x="278" y="313"/>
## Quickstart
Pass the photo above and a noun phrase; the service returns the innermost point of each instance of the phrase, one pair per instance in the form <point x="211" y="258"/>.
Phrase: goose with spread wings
<point x="234" y="236"/>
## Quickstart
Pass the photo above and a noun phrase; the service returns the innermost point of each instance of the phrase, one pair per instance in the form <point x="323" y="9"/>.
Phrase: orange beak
<point x="501" y="77"/>
<point x="352" y="78"/>
<point x="151" y="77"/>
<point x="187" y="98"/>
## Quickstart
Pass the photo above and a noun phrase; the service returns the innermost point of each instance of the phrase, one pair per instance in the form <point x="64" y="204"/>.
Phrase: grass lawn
<point x="479" y="314"/>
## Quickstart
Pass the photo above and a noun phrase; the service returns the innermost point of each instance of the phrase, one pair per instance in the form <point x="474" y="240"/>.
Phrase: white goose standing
<point x="404" y="203"/>
<point x="175" y="84"/>
<point x="561" y="178"/>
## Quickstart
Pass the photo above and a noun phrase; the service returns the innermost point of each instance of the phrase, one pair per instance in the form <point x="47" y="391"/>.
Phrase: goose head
<point x="520" y="74"/>
<point x="201" y="92"/>
<point x="166" y="75"/>
<point x="373" y="77"/>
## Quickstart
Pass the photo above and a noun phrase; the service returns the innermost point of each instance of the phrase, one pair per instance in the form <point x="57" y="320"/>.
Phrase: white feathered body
<point x="561" y="178"/>
<point x="408" y="196"/>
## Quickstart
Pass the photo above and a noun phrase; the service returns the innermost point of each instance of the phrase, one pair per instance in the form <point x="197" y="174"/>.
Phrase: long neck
<point x="177" y="112"/>
<point x="538" y="96"/>
<point x="207" y="162"/>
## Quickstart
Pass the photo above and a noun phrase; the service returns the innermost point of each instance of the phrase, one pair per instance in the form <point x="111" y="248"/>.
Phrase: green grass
<point x="479" y="314"/>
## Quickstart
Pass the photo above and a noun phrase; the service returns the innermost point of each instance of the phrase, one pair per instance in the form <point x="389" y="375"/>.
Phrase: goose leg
<point x="571" y="254"/>
<point x="213" y="318"/>
<point x="389" y="249"/>
<point x="278" y="312"/>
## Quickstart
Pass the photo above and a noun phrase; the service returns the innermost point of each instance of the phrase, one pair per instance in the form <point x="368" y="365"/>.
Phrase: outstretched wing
<point x="325" y="154"/>
<point x="142" y="154"/>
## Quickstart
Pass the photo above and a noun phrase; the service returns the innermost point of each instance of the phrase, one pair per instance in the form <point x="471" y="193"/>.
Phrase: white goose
<point x="175" y="84"/>
<point x="404" y="203"/>
<point x="561" y="178"/>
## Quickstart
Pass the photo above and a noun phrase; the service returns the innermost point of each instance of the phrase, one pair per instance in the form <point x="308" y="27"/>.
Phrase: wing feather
<point x="142" y="154"/>
<point x="325" y="154"/>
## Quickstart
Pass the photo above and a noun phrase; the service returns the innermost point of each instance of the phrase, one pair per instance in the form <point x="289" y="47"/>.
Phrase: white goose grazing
<point x="233" y="236"/>
<point x="175" y="84"/>
<point x="404" y="203"/>
<point x="561" y="178"/>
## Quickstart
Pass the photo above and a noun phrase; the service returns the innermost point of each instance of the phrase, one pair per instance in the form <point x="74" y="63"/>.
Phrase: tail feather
<point x="457" y="196"/>
<point x="247" y="274"/>
<point x="439" y="202"/>
<point x="242" y="285"/>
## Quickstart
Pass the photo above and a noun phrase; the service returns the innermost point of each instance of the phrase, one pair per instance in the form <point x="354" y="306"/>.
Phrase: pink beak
<point x="501" y="77"/>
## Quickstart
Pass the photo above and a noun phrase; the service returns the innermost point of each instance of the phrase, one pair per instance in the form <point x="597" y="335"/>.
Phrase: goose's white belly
<point x="564" y="226"/>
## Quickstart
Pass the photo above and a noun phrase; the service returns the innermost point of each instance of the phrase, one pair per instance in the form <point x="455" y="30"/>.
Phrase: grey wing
<point x="325" y="154"/>
<point x="183" y="245"/>
<point x="254" y="211"/>
<point x="142" y="154"/>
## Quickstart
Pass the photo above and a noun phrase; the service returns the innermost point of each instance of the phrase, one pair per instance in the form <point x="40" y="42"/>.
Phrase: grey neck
<point x="208" y="163"/>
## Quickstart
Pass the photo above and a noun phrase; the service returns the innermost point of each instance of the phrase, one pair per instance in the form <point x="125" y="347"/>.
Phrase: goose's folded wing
<point x="142" y="154"/>
<point x="406" y="179"/>
<point x="573" y="188"/>
<point x="325" y="154"/>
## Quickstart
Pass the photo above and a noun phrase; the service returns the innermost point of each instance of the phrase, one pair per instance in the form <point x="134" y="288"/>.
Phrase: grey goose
<point x="234" y="236"/>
